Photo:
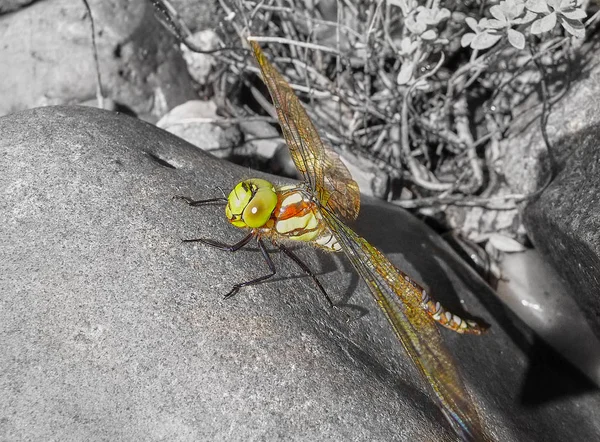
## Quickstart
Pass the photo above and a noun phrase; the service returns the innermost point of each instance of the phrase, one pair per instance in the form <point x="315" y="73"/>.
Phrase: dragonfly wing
<point x="415" y="329"/>
<point x="320" y="166"/>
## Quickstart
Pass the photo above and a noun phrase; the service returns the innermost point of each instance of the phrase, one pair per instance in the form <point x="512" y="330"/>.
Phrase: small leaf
<point x="528" y="17"/>
<point x="575" y="14"/>
<point x="467" y="39"/>
<point x="506" y="244"/>
<point x="537" y="6"/>
<point x="457" y="16"/>
<point x="535" y="27"/>
<point x="556" y="4"/>
<point x="498" y="13"/>
<point x="548" y="22"/>
<point x="429" y="35"/>
<point x="492" y="23"/>
<point x="423" y="16"/>
<point x="516" y="39"/>
<point x="405" y="74"/>
<point x="485" y="40"/>
<point x="515" y="10"/>
<point x="544" y="24"/>
<point x="415" y="26"/>
<point x="444" y="14"/>
<point x="573" y="27"/>
<point x="565" y="4"/>
<point x="434" y="16"/>
<point x="471" y="23"/>
<point x="408" y="46"/>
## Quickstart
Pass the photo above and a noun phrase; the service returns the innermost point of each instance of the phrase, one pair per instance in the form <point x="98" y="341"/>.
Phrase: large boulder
<point x="563" y="222"/>
<point x="112" y="329"/>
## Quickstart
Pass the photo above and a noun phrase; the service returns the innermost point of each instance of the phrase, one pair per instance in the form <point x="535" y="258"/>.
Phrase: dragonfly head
<point x="251" y="203"/>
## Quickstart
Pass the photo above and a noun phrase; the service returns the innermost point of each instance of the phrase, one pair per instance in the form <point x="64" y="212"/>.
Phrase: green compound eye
<point x="237" y="201"/>
<point x="259" y="209"/>
<point x="251" y="203"/>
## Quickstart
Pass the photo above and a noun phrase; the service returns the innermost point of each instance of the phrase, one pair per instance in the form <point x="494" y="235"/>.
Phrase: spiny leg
<point x="234" y="248"/>
<point x="195" y="203"/>
<point x="222" y="246"/>
<point x="306" y="270"/>
<point x="269" y="262"/>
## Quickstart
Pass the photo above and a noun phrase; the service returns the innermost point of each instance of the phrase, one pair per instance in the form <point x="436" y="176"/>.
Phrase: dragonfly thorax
<point x="251" y="203"/>
<point x="280" y="213"/>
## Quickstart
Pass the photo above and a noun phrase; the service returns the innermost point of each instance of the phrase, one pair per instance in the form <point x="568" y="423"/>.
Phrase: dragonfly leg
<point x="236" y="288"/>
<point x="306" y="270"/>
<point x="221" y="246"/>
<point x="192" y="202"/>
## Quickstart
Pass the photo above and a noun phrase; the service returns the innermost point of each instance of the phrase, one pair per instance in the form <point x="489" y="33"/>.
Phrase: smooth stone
<point x="46" y="57"/>
<point x="532" y="289"/>
<point x="201" y="65"/>
<point x="197" y="122"/>
<point x="563" y="222"/>
<point x="112" y="329"/>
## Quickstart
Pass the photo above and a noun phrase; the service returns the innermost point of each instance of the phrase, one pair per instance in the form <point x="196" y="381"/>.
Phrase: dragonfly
<point x="316" y="212"/>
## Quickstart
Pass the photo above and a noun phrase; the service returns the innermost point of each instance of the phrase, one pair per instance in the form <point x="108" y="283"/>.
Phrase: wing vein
<point x="414" y="328"/>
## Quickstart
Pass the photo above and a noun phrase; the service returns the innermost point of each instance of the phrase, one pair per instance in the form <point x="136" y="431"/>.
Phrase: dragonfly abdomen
<point x="296" y="217"/>
<point x="449" y="319"/>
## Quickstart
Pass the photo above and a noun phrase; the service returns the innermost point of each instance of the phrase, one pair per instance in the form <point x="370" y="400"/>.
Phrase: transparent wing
<point x="401" y="301"/>
<point x="320" y="166"/>
<point x="416" y="330"/>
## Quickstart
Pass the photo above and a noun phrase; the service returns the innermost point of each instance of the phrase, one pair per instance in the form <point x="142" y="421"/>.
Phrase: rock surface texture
<point x="112" y="329"/>
<point x="564" y="221"/>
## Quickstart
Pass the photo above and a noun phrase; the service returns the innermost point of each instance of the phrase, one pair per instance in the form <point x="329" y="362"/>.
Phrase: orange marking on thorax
<point x="287" y="211"/>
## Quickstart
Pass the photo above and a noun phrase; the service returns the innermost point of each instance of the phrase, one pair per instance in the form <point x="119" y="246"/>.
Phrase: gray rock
<point x="531" y="288"/>
<point x="111" y="329"/>
<point x="197" y="122"/>
<point x="201" y="65"/>
<point x="46" y="57"/>
<point x="524" y="153"/>
<point x="199" y="16"/>
<point x="564" y="222"/>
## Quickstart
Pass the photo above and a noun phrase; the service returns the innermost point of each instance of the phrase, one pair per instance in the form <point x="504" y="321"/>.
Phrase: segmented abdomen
<point x="445" y="317"/>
